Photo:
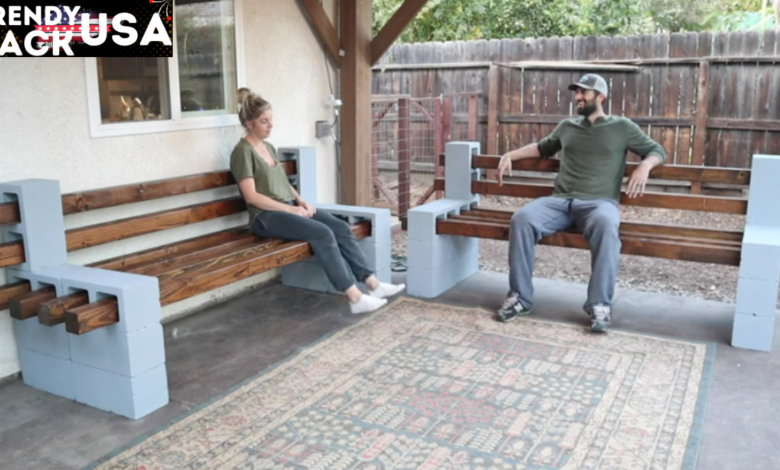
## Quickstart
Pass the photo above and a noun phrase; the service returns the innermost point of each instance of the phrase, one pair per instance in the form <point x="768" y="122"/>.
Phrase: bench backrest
<point x="735" y="177"/>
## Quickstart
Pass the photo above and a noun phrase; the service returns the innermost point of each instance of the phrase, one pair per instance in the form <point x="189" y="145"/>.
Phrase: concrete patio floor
<point x="219" y="347"/>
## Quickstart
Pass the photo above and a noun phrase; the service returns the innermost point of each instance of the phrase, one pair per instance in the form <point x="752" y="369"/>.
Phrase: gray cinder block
<point x="430" y="283"/>
<point x="760" y="253"/>
<point x="756" y="297"/>
<point x="763" y="207"/>
<point x="131" y="397"/>
<point x="421" y="221"/>
<point x="305" y="181"/>
<point x="128" y="354"/>
<point x="753" y="332"/>
<point x="458" y="173"/>
<point x="50" y="374"/>
<point x="42" y="227"/>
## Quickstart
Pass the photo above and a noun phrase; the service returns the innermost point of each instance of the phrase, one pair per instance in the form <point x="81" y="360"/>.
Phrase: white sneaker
<point x="385" y="290"/>
<point x="366" y="304"/>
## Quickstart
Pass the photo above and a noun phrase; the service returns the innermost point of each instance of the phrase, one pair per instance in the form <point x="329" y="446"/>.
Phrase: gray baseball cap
<point x="591" y="81"/>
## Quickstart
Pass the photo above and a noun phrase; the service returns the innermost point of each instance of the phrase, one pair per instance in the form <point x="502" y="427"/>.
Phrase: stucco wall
<point x="44" y="133"/>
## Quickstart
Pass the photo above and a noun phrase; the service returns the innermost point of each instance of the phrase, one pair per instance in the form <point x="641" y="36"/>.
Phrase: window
<point x="194" y="89"/>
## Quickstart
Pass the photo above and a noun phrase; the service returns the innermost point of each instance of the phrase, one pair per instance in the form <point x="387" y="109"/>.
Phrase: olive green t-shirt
<point x="593" y="157"/>
<point x="270" y="181"/>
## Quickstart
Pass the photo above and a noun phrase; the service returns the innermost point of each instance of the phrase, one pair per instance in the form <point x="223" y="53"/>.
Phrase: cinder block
<point x="42" y="227"/>
<point x="757" y="297"/>
<point x="443" y="249"/>
<point x="380" y="218"/>
<point x="421" y="221"/>
<point x="378" y="255"/>
<point x="50" y="374"/>
<point x="121" y="353"/>
<point x="430" y="283"/>
<point x="138" y="296"/>
<point x="760" y="253"/>
<point x="133" y="398"/>
<point x="753" y="332"/>
<point x="307" y="274"/>
<point x="763" y="208"/>
<point x="458" y="173"/>
<point x="384" y="275"/>
<point x="48" y="340"/>
<point x="305" y="181"/>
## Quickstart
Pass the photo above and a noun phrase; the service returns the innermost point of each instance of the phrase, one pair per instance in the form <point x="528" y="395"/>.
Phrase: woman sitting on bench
<point x="276" y="210"/>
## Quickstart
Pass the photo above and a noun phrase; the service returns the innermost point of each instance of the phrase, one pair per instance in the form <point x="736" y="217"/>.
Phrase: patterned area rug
<point x="430" y="386"/>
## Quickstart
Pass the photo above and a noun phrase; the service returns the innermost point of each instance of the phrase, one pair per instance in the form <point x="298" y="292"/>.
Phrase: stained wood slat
<point x="90" y="317"/>
<point x="13" y="290"/>
<point x="9" y="213"/>
<point x="630" y="244"/>
<point x="119" y="230"/>
<point x="736" y="176"/>
<point x="177" y="261"/>
<point x="683" y="231"/>
<point x="25" y="306"/>
<point x="52" y="312"/>
<point x="11" y="253"/>
<point x="153" y="255"/>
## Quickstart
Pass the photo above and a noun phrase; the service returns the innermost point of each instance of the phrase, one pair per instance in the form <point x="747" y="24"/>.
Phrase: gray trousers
<point x="332" y="242"/>
<point x="599" y="220"/>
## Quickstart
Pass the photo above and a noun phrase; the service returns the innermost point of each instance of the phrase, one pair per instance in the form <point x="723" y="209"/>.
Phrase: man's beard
<point x="589" y="108"/>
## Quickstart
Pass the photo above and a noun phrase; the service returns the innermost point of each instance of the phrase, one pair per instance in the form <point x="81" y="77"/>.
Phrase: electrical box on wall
<point x="321" y="129"/>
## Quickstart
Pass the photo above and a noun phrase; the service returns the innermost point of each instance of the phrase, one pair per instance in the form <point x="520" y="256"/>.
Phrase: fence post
<point x="700" y="129"/>
<point x="492" y="117"/>
<point x="404" y="155"/>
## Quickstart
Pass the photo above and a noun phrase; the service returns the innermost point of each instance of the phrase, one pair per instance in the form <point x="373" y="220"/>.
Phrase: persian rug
<point x="421" y="385"/>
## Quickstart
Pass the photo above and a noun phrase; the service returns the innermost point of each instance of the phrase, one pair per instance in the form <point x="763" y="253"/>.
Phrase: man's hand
<point x="310" y="210"/>
<point x="637" y="182"/>
<point x="504" y="165"/>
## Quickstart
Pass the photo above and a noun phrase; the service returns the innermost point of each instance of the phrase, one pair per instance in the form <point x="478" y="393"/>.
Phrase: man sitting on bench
<point x="586" y="195"/>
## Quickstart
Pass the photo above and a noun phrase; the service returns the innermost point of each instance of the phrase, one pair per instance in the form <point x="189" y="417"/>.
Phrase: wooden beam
<point x="11" y="253"/>
<point x="52" y="312"/>
<point x="9" y="213"/>
<point x="323" y="28"/>
<point x="26" y="306"/>
<point x="126" y="228"/>
<point x="631" y="244"/>
<point x="81" y="320"/>
<point x="10" y="291"/>
<point x="394" y="27"/>
<point x="356" y="96"/>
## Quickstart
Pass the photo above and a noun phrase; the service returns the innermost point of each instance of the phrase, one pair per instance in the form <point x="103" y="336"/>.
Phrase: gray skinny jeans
<point x="332" y="241"/>
<point x="599" y="221"/>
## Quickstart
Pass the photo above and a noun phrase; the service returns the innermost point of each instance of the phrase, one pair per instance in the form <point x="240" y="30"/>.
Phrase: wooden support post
<point x="356" y="95"/>
<point x="404" y="155"/>
<point x="491" y="140"/>
<point x="439" y="144"/>
<point x="700" y="129"/>
<point x="473" y="117"/>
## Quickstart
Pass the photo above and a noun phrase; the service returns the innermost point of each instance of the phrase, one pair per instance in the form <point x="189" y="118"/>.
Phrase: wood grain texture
<point x="26" y="306"/>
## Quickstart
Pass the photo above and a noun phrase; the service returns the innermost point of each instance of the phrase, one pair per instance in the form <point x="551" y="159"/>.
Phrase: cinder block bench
<point x="93" y="333"/>
<point x="443" y="235"/>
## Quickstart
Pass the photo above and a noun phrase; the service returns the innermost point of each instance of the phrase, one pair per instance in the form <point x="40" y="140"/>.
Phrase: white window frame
<point x="177" y="121"/>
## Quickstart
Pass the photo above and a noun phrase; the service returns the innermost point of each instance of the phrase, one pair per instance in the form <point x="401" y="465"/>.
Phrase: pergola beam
<point x="325" y="30"/>
<point x="394" y="27"/>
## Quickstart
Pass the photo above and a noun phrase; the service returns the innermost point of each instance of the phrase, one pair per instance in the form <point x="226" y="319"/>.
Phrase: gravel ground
<point x="683" y="278"/>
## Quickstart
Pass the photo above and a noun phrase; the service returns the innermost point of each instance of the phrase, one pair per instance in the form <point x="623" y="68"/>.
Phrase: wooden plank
<point x="99" y="234"/>
<point x="118" y="195"/>
<point x="355" y="18"/>
<point x="736" y="176"/>
<point x="553" y="119"/>
<point x="746" y="92"/>
<point x="688" y="89"/>
<point x="673" y="92"/>
<point x="744" y="124"/>
<point x="769" y="108"/>
<point x="9" y="213"/>
<point x="663" y="201"/>
<point x="13" y="290"/>
<point x="132" y="260"/>
<point x="394" y="27"/>
<point x="11" y="253"/>
<point x="682" y="231"/>
<point x="404" y="155"/>
<point x="494" y="91"/>
<point x="52" y="312"/>
<point x="90" y="317"/>
<point x="26" y="306"/>
<point x="702" y="110"/>
<point x="324" y="29"/>
<point x="761" y="96"/>
<point x="631" y="244"/>
<point x="190" y="258"/>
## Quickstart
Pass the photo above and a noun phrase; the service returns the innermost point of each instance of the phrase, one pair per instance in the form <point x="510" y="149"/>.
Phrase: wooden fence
<point x="709" y="98"/>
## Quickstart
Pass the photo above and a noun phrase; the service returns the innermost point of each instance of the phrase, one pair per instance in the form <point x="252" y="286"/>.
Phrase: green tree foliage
<point x="451" y="20"/>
